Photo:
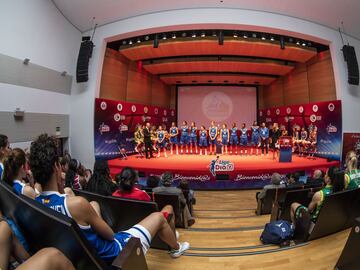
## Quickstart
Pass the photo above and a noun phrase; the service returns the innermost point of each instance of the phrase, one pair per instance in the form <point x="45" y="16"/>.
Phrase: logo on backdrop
<point x="217" y="106"/>
<point x="217" y="165"/>
<point x="331" y="107"/>
<point x="331" y="129"/>
<point x="103" y="105"/>
<point x="104" y="128"/>
<point x="301" y="109"/>
<point x="119" y="107"/>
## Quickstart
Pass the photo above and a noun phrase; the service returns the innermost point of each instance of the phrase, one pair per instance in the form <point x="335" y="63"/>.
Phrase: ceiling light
<point x="164" y="36"/>
<point x="309" y="44"/>
<point x="214" y="34"/>
<point x="272" y="38"/>
<point x="254" y="35"/>
<point x="303" y="44"/>
<point x="174" y="36"/>
<point x="245" y="35"/>
<point x="297" y="42"/>
<point x="193" y="35"/>
<point x="130" y="42"/>
<point x="263" y="38"/>
<point x="203" y="34"/>
<point x="124" y="42"/>
<point x="183" y="34"/>
<point x="235" y="35"/>
<point x="147" y="37"/>
<point x="138" y="40"/>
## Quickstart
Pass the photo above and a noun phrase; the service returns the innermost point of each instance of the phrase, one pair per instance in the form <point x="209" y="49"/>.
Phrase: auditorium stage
<point x="228" y="171"/>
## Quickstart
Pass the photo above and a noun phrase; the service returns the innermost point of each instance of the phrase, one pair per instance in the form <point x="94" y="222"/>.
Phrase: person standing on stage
<point x="275" y="135"/>
<point x="203" y="140"/>
<point x="296" y="138"/>
<point x="174" y="132"/>
<point x="153" y="137"/>
<point x="139" y="140"/>
<point x="213" y="132"/>
<point x="161" y="142"/>
<point x="224" y="139"/>
<point x="243" y="139"/>
<point x="264" y="138"/>
<point x="193" y="138"/>
<point x="234" y="140"/>
<point x="147" y="141"/>
<point x="184" y="137"/>
<point x="312" y="142"/>
<point x="283" y="131"/>
<point x="303" y="139"/>
<point x="255" y="137"/>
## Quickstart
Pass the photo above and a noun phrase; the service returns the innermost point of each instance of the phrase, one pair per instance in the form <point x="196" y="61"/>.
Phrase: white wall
<point x="82" y="139"/>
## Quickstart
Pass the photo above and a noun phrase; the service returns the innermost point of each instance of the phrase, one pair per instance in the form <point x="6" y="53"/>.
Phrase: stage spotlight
<point x="221" y="38"/>
<point x="214" y="34"/>
<point x="263" y="38"/>
<point x="156" y="41"/>
<point x="254" y="35"/>
<point x="202" y="34"/>
<point x="272" y="38"/>
<point x="193" y="35"/>
<point x="124" y="42"/>
<point x="303" y="44"/>
<point x="235" y="35"/>
<point x="164" y="37"/>
<point x="297" y="42"/>
<point x="174" y="36"/>
<point x="245" y="35"/>
<point x="183" y="34"/>
<point x="147" y="38"/>
<point x="130" y="42"/>
<point x="138" y="40"/>
<point x="282" y="43"/>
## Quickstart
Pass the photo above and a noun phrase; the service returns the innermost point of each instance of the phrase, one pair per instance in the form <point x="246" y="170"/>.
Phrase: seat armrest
<point x="131" y="257"/>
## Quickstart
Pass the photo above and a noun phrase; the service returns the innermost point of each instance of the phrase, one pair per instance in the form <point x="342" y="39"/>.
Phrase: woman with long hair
<point x="352" y="173"/>
<point x="100" y="181"/>
<point x="72" y="178"/>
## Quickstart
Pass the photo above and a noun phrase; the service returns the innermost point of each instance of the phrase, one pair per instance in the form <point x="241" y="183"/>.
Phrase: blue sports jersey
<point x="161" y="135"/>
<point x="212" y="132"/>
<point x="203" y="134"/>
<point x="184" y="131"/>
<point x="304" y="135"/>
<point x="173" y="130"/>
<point x="264" y="132"/>
<point x="224" y="133"/>
<point x="255" y="130"/>
<point x="193" y="132"/>
<point x="1" y="170"/>
<point x="243" y="132"/>
<point x="107" y="250"/>
<point x="18" y="187"/>
<point x="234" y="131"/>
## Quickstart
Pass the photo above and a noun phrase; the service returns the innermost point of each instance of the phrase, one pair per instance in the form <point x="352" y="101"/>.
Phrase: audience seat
<point x="43" y="227"/>
<point x="265" y="205"/>
<point x="122" y="213"/>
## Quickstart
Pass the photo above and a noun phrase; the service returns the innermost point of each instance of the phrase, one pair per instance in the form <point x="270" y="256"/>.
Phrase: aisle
<point x="226" y="236"/>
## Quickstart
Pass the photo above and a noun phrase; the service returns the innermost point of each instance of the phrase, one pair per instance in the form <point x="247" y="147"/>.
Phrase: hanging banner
<point x="115" y="122"/>
<point x="326" y="116"/>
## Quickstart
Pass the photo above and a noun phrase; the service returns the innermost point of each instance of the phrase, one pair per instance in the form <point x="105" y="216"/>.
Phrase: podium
<point x="285" y="144"/>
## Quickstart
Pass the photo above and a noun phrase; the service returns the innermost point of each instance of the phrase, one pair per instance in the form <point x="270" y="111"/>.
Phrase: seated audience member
<point x="64" y="163"/>
<point x="352" y="173"/>
<point x="275" y="183"/>
<point x="126" y="181"/>
<point x="46" y="170"/>
<point x="14" y="173"/>
<point x="188" y="193"/>
<point x="4" y="150"/>
<point x="47" y="258"/>
<point x="152" y="182"/>
<point x="316" y="180"/>
<point x="101" y="182"/>
<point x="334" y="180"/>
<point x="167" y="188"/>
<point x="293" y="180"/>
<point x="72" y="178"/>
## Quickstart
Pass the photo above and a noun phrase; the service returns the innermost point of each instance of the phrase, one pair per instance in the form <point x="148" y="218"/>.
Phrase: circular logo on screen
<point x="288" y="110"/>
<point x="286" y="119"/>
<point x="268" y="112"/>
<point x="117" y="117"/>
<point x="313" y="118"/>
<point x="277" y="111"/>
<point x="261" y="113"/>
<point x="119" y="107"/>
<point x="315" y="108"/>
<point x="301" y="109"/>
<point x="103" y="105"/>
<point x="133" y="108"/>
<point x="331" y="107"/>
<point x="156" y="111"/>
<point x="217" y="106"/>
<point x="146" y="109"/>
<point x="165" y="112"/>
<point x="172" y="113"/>
<point x="357" y="229"/>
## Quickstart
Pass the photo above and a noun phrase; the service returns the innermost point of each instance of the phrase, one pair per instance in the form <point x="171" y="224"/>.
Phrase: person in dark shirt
<point x="148" y="141"/>
<point x="316" y="180"/>
<point x="101" y="182"/>
<point x="274" y="137"/>
<point x="152" y="182"/>
<point x="293" y="180"/>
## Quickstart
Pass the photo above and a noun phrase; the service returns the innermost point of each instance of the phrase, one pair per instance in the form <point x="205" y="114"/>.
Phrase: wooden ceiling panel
<point x="218" y="66"/>
<point x="216" y="79"/>
<point x="264" y="49"/>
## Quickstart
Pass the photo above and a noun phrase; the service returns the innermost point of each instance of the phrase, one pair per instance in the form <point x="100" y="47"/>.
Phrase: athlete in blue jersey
<point x="255" y="136"/>
<point x="203" y="140"/>
<point x="161" y="142"/>
<point x="4" y="151"/>
<point x="264" y="138"/>
<point x="243" y="139"/>
<point x="213" y="132"/>
<point x="224" y="139"/>
<point x="234" y="140"/>
<point x="184" y="137"/>
<point x="303" y="141"/>
<point x="193" y="137"/>
<point x="174" y="132"/>
<point x="46" y="170"/>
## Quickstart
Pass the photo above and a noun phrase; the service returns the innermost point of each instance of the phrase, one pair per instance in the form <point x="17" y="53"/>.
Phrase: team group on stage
<point x="243" y="141"/>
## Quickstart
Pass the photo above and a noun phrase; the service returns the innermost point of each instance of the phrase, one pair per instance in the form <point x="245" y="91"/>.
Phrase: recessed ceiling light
<point x="263" y="38"/>
<point x="245" y="35"/>
<point x="164" y="36"/>
<point x="297" y="42"/>
<point x="303" y="44"/>
<point x="254" y="35"/>
<point x="124" y="42"/>
<point x="214" y="34"/>
<point x="235" y="35"/>
<point x="272" y="38"/>
<point x="138" y="40"/>
<point x="193" y="35"/>
<point x="130" y="42"/>
<point x="183" y="34"/>
<point x="147" y="38"/>
<point x="174" y="35"/>
<point x="203" y="34"/>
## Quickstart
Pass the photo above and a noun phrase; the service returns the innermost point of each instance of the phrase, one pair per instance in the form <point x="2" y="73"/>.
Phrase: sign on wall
<point x="351" y="141"/>
<point x="115" y="122"/>
<point x="326" y="116"/>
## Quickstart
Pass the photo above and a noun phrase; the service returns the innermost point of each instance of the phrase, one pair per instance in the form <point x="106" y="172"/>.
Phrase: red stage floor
<point x="249" y="171"/>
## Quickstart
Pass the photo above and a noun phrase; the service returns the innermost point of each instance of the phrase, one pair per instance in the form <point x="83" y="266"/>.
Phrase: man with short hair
<point x="47" y="171"/>
<point x="275" y="183"/>
<point x="316" y="180"/>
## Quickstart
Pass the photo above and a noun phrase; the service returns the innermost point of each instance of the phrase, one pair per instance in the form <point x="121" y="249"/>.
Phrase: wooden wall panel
<point x="138" y="85"/>
<point x="296" y="87"/>
<point x="273" y="94"/>
<point x="173" y="97"/>
<point x="160" y="93"/>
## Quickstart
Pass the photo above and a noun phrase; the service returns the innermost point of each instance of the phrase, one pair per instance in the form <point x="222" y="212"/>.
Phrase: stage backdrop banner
<point x="326" y="116"/>
<point x="115" y="122"/>
<point x="351" y="141"/>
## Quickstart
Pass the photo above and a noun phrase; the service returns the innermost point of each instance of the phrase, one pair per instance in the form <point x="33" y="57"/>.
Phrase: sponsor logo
<point x="165" y="112"/>
<point x="146" y="118"/>
<point x="268" y="120"/>
<point x="146" y="109"/>
<point x="156" y="111"/>
<point x="119" y="107"/>
<point x="117" y="117"/>
<point x="262" y="177"/>
<point x="261" y="113"/>
<point x="200" y="178"/>
<point x="301" y="109"/>
<point x="172" y="113"/>
<point x="103" y="105"/>
<point x="217" y="106"/>
<point x="113" y="141"/>
<point x="331" y="129"/>
<point x="217" y="165"/>
<point x="104" y="128"/>
<point x="164" y="119"/>
<point x="277" y="111"/>
<point x="288" y="110"/>
<point x="268" y="112"/>
<point x="123" y="127"/>
<point x="315" y="108"/>
<point x="133" y="108"/>
<point x="325" y="141"/>
<point x="331" y="107"/>
<point x="313" y="118"/>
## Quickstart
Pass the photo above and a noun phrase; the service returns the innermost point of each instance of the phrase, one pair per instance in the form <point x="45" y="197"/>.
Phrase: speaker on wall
<point x="82" y="66"/>
<point x="352" y="64"/>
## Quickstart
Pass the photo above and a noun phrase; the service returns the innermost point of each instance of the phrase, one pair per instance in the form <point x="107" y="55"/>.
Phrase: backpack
<point x="277" y="232"/>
